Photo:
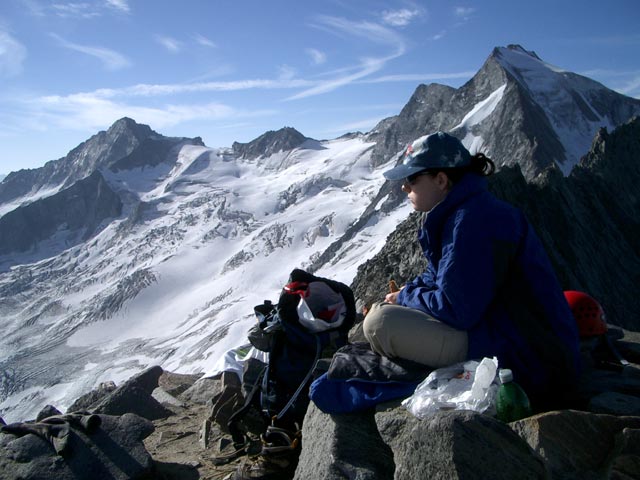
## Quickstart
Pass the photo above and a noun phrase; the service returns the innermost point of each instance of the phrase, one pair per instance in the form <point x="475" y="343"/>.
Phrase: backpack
<point x="311" y="321"/>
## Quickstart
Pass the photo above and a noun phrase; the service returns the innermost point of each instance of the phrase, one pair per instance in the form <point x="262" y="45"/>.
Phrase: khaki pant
<point x="396" y="331"/>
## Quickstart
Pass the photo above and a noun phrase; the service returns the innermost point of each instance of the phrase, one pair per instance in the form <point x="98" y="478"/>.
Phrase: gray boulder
<point x="343" y="446"/>
<point x="135" y="396"/>
<point x="112" y="452"/>
<point x="391" y="443"/>
<point x="457" y="445"/>
<point x="202" y="391"/>
<point x="581" y="445"/>
<point x="93" y="397"/>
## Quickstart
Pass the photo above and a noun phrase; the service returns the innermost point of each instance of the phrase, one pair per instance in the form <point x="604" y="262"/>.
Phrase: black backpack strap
<point x="239" y="439"/>
<point x="304" y="381"/>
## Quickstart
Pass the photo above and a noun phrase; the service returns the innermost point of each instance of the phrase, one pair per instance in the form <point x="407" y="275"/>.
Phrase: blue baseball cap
<point x="438" y="150"/>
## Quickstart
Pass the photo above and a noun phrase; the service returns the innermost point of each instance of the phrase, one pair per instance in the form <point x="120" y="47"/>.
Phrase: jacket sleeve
<point x="426" y="280"/>
<point x="464" y="282"/>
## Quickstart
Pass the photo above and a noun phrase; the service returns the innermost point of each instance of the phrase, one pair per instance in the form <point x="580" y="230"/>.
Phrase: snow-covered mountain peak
<point x="172" y="280"/>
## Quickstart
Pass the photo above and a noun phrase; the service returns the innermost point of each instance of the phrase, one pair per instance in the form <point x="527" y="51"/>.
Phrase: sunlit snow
<point x="202" y="240"/>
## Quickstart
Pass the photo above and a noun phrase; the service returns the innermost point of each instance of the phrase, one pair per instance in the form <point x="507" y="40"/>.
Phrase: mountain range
<point x="139" y="249"/>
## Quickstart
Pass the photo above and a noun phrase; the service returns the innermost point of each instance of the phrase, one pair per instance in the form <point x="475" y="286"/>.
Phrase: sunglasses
<point x="412" y="179"/>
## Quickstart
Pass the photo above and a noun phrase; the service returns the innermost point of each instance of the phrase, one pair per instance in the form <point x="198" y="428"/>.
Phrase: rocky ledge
<point x="157" y="426"/>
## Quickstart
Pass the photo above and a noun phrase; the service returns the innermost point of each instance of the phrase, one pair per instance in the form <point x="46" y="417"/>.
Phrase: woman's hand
<point x="392" y="297"/>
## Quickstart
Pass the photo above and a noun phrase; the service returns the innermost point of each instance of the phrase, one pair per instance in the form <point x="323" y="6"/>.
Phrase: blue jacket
<point x="488" y="274"/>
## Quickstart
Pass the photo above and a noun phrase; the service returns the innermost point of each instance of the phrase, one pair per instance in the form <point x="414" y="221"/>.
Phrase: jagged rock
<point x="147" y="380"/>
<point x="92" y="397"/>
<point x="202" y="391"/>
<point x="132" y="399"/>
<point x="46" y="412"/>
<point x="80" y="210"/>
<point x="615" y="403"/>
<point x="457" y="445"/>
<point x="176" y="383"/>
<point x="343" y="446"/>
<point x="166" y="399"/>
<point x="580" y="445"/>
<point x="271" y="142"/>
<point x="114" y="452"/>
<point x="626" y="463"/>
<point x="135" y="396"/>
<point x="564" y="444"/>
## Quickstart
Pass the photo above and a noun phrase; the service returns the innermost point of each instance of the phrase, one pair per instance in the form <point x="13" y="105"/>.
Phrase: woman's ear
<point x="442" y="181"/>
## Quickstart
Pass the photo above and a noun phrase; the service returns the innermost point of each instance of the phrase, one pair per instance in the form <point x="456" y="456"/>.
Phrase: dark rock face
<point x="269" y="143"/>
<point x="99" y="151"/>
<point x="589" y="223"/>
<point x="151" y="152"/>
<point x="134" y="396"/>
<point x="125" y="145"/>
<point x="79" y="209"/>
<point x="520" y="128"/>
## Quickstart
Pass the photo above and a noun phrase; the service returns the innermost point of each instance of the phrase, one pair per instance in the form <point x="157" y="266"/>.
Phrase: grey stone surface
<point x="615" y="404"/>
<point x="577" y="445"/>
<point x="343" y="447"/>
<point x="457" y="445"/>
<point x="202" y="391"/>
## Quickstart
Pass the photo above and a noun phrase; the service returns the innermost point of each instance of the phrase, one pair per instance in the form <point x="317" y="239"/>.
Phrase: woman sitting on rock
<point x="489" y="288"/>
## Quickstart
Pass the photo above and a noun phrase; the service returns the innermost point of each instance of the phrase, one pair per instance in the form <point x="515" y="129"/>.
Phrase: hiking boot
<point x="267" y="467"/>
<point x="278" y="459"/>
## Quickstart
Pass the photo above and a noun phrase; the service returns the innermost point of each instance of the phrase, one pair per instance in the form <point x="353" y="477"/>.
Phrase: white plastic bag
<point x="470" y="385"/>
<point x="233" y="360"/>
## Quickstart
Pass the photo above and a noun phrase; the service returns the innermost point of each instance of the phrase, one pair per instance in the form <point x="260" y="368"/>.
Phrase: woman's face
<point x="425" y="191"/>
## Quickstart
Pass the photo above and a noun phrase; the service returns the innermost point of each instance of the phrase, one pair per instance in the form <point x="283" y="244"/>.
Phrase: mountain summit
<point x="139" y="249"/>
<point x="516" y="109"/>
<point x="269" y="143"/>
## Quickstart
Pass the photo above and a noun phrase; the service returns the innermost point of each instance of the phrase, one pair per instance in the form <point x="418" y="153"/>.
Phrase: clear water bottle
<point x="512" y="402"/>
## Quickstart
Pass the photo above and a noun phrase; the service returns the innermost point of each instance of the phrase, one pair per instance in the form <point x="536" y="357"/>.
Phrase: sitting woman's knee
<point x="373" y="321"/>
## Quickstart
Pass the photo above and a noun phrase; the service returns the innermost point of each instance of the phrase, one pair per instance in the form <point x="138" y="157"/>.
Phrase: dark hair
<point x="480" y="165"/>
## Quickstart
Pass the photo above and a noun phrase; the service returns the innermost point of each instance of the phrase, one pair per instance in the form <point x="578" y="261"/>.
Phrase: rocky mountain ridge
<point x="114" y="147"/>
<point x="159" y="424"/>
<point x="587" y="221"/>
<point x="526" y="112"/>
<point x="163" y="278"/>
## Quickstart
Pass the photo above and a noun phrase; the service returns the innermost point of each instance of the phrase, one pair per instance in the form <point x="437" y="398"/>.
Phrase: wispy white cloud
<point x="111" y="59"/>
<point x="400" y="18"/>
<point x="464" y="13"/>
<point x="85" y="111"/>
<point x="75" y="10"/>
<point x="373" y="33"/>
<point x="12" y="55"/>
<point x="204" y="41"/>
<point x="419" y="77"/>
<point x="150" y="90"/>
<point x="317" y="57"/>
<point x="171" y="44"/>
<point x="120" y="5"/>
<point x="360" y="125"/>
<point x="439" y="35"/>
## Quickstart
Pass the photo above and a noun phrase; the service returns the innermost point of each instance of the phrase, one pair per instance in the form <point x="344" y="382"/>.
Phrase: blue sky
<point x="231" y="70"/>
